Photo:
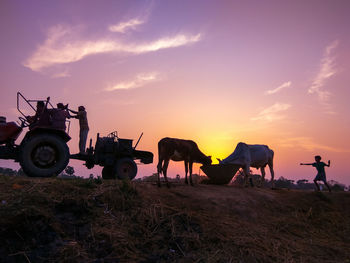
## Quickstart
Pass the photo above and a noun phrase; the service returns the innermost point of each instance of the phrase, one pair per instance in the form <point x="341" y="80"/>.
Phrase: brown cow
<point x="179" y="150"/>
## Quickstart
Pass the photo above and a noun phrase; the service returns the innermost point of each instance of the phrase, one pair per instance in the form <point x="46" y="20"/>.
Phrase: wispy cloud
<point x="272" y="113"/>
<point x="308" y="144"/>
<point x="166" y="42"/>
<point x="139" y="81"/>
<point x="327" y="70"/>
<point x="62" y="74"/>
<point x="62" y="46"/>
<point x="129" y="24"/>
<point x="122" y="27"/>
<point x="284" y="85"/>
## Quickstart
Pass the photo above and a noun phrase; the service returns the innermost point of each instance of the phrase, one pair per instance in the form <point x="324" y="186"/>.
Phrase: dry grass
<point x="55" y="220"/>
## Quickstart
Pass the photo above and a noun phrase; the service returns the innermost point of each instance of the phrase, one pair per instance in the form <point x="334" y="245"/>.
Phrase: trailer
<point x="117" y="156"/>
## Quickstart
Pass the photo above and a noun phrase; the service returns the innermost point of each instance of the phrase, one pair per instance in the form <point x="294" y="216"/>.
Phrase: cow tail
<point x="272" y="157"/>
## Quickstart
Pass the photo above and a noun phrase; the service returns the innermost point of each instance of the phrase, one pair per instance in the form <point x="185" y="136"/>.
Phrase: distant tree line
<point x="305" y="184"/>
<point x="238" y="179"/>
<point x="154" y="178"/>
<point x="68" y="173"/>
<point x="11" y="172"/>
<point x="283" y="182"/>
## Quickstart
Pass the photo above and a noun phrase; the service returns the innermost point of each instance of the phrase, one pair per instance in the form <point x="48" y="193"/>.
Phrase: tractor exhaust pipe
<point x="138" y="141"/>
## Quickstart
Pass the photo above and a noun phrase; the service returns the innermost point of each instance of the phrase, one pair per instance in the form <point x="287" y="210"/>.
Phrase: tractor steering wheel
<point x="113" y="135"/>
<point x="24" y="122"/>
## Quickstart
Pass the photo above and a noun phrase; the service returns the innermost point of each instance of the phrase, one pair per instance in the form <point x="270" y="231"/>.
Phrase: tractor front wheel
<point x="125" y="168"/>
<point x="44" y="155"/>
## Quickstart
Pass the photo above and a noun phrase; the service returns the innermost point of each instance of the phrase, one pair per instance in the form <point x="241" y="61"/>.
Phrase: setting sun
<point x="217" y="73"/>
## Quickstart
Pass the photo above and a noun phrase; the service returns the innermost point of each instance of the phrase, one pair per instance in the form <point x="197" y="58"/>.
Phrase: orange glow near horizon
<point x="215" y="74"/>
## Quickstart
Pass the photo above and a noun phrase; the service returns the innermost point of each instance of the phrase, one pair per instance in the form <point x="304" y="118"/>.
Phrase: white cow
<point x="257" y="156"/>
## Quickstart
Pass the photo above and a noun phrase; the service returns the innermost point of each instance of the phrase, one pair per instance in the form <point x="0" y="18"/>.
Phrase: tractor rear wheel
<point x="125" y="168"/>
<point x="44" y="155"/>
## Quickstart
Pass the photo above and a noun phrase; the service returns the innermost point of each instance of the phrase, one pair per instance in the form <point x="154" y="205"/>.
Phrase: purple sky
<point x="217" y="72"/>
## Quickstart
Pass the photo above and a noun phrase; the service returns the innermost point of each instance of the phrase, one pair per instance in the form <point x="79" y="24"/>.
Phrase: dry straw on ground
<point x="55" y="220"/>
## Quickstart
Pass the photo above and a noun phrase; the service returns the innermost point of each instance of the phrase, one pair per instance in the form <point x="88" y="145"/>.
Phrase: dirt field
<point x="55" y="220"/>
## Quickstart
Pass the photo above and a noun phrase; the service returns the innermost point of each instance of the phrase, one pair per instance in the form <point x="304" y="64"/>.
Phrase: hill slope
<point x="50" y="220"/>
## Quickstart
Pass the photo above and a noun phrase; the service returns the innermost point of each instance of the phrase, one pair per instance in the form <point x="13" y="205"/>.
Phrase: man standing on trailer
<point x="84" y="127"/>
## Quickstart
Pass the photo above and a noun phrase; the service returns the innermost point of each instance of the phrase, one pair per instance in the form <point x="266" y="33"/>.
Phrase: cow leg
<point x="247" y="177"/>
<point x="270" y="164"/>
<point x="165" y="168"/>
<point x="186" y="171"/>
<point x="159" y="170"/>
<point x="262" y="180"/>
<point x="190" y="167"/>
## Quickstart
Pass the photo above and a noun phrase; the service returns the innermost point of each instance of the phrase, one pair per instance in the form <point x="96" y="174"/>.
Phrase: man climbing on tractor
<point x="59" y="116"/>
<point x="84" y="127"/>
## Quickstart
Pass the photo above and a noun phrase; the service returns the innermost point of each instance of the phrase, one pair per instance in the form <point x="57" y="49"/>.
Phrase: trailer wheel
<point x="44" y="155"/>
<point x="125" y="168"/>
<point x="108" y="173"/>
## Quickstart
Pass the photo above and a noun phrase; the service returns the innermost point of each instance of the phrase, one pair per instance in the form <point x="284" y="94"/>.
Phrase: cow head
<point x="219" y="160"/>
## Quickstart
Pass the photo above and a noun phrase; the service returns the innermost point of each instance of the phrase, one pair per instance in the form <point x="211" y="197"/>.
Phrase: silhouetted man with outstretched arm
<point x="321" y="174"/>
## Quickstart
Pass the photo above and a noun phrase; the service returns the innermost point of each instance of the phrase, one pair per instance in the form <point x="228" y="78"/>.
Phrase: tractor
<point x="115" y="155"/>
<point x="43" y="152"/>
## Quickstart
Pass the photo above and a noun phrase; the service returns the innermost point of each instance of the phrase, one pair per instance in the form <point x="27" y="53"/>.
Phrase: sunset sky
<point x="216" y="72"/>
